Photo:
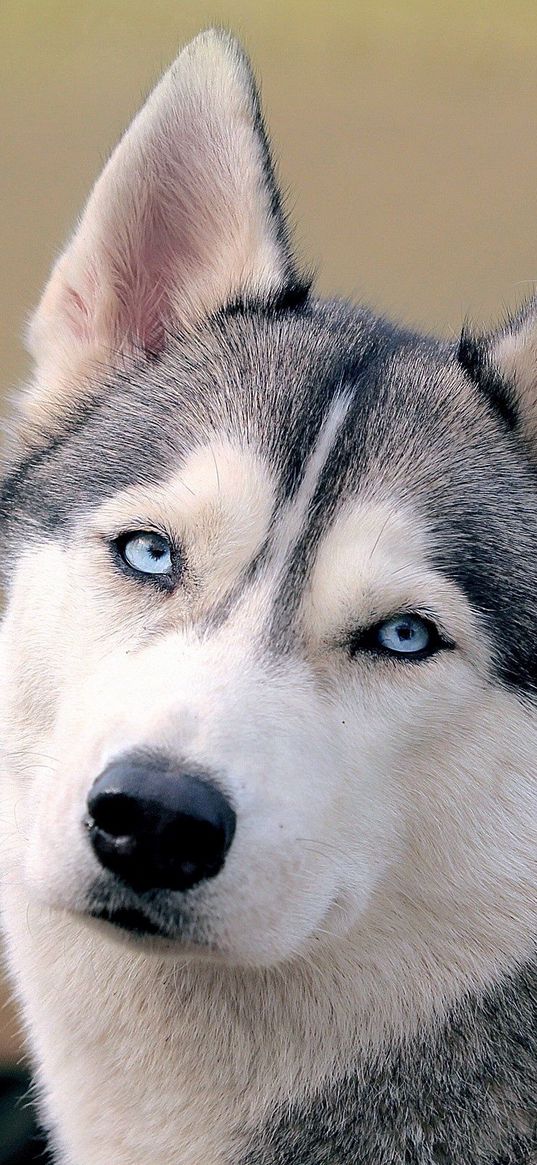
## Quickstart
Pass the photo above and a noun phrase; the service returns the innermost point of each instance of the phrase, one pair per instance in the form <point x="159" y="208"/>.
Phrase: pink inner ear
<point x="143" y="308"/>
<point x="78" y="313"/>
<point x="153" y="255"/>
<point x="153" y="272"/>
<point x="135" y="313"/>
<point x="180" y="217"/>
<point x="176" y="227"/>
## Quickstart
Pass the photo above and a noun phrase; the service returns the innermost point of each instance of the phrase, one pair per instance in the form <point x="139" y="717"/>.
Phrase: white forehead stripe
<point x="295" y="513"/>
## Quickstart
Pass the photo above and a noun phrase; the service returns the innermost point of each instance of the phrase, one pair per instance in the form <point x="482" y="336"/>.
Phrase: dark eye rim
<point x="364" y="640"/>
<point x="166" y="581"/>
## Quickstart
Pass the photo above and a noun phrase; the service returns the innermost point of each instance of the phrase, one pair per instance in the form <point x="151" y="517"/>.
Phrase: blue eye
<point x="405" y="635"/>
<point x="146" y="552"/>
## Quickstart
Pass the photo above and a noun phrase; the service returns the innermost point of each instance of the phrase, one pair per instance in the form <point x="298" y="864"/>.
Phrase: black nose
<point x="157" y="826"/>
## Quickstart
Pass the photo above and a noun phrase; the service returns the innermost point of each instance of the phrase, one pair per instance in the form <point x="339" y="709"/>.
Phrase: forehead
<point x="272" y="381"/>
<point x="336" y="405"/>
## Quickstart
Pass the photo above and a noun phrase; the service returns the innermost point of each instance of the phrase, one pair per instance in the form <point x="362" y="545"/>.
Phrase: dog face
<point x="268" y="653"/>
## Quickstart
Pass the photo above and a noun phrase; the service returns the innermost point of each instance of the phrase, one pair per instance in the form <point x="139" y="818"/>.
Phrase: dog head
<point x="268" y="653"/>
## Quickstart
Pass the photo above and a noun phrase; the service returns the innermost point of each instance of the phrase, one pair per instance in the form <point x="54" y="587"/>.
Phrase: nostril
<point x="115" y="813"/>
<point x="194" y="839"/>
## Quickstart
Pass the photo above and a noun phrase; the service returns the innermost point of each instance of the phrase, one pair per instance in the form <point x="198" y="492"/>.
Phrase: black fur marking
<point x="358" y="377"/>
<point x="269" y="170"/>
<point x="417" y="427"/>
<point x="130" y="919"/>
<point x="463" y="1094"/>
<point x="291" y="296"/>
<point x="12" y="484"/>
<point x="16" y="488"/>
<point x="474" y="356"/>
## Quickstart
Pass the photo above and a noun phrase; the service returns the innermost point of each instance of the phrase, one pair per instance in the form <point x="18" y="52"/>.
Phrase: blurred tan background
<point x="406" y="132"/>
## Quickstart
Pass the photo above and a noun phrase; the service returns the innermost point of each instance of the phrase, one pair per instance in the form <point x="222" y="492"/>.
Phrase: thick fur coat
<point x="289" y="549"/>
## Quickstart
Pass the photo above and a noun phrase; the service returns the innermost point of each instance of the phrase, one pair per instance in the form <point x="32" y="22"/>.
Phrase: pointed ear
<point x="185" y="217"/>
<point x="504" y="365"/>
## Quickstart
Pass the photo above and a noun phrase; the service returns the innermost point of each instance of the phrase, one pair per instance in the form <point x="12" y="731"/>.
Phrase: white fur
<point x="395" y="865"/>
<point x="383" y="857"/>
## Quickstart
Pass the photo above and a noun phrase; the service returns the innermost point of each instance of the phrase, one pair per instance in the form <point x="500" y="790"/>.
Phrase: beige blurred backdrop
<point x="406" y="133"/>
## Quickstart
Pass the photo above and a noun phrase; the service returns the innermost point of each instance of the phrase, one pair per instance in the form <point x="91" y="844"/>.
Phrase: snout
<point x="157" y="825"/>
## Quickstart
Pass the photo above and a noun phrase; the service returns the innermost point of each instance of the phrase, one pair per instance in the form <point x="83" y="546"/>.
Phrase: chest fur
<point x="464" y="1093"/>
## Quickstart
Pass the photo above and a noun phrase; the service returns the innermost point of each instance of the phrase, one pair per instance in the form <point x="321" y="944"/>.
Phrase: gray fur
<point x="425" y="423"/>
<point x="462" y="1094"/>
<point x="417" y="422"/>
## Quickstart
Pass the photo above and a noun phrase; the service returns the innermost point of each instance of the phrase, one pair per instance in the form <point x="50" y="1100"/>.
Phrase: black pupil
<point x="405" y="631"/>
<point x="157" y="549"/>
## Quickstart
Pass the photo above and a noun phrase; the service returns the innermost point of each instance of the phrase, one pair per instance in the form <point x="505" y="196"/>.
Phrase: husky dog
<point x="269" y="687"/>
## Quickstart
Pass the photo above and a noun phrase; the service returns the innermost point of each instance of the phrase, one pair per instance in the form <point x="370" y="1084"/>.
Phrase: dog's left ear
<point x="504" y="366"/>
<point x="185" y="217"/>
